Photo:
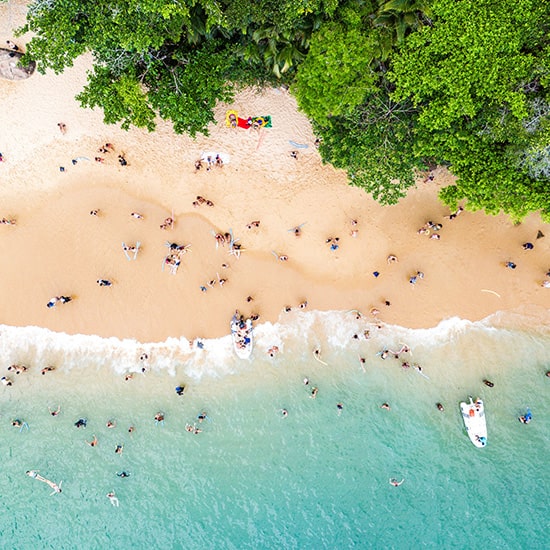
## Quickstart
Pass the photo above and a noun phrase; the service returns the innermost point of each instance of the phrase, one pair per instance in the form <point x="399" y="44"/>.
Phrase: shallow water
<point x="253" y="479"/>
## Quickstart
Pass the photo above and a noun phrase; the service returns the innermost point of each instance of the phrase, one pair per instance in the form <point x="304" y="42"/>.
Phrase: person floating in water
<point x="113" y="499"/>
<point x="526" y="418"/>
<point x="35" y="475"/>
<point x="395" y="483"/>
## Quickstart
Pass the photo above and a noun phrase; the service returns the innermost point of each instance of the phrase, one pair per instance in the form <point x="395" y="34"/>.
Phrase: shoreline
<point x="146" y="302"/>
<point x="56" y="247"/>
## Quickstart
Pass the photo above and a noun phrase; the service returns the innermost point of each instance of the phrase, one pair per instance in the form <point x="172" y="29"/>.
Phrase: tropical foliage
<point x="391" y="86"/>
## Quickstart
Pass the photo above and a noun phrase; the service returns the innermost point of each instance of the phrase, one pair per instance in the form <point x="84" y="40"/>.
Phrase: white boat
<point x="241" y="331"/>
<point x="473" y="414"/>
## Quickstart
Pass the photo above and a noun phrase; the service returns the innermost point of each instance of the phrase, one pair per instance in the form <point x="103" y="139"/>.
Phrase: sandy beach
<point x="57" y="248"/>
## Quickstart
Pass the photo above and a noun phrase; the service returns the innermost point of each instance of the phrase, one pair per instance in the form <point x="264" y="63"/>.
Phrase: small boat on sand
<point x="473" y="414"/>
<point x="241" y="331"/>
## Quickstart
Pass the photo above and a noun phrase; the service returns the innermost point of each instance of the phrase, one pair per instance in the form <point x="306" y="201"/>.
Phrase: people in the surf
<point x="440" y="407"/>
<point x="118" y="449"/>
<point x="385" y="406"/>
<point x="56" y="411"/>
<point x="488" y="383"/>
<point x="180" y="389"/>
<point x="93" y="442"/>
<point x="123" y="474"/>
<point x="81" y="423"/>
<point x="526" y="418"/>
<point x="202" y="416"/>
<point x="284" y="413"/>
<point x="395" y="483"/>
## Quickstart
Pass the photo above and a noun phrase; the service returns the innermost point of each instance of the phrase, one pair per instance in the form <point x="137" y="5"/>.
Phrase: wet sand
<point x="58" y="248"/>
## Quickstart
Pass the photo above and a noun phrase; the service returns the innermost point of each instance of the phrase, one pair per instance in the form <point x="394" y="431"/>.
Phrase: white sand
<point x="58" y="248"/>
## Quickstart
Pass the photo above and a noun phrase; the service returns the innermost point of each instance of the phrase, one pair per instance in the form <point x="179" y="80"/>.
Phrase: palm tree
<point x="402" y="16"/>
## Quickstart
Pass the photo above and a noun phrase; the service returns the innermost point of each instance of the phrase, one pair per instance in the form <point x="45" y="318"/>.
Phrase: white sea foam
<point x="297" y="334"/>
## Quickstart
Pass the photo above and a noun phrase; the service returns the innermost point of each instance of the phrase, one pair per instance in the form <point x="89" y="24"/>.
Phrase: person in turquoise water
<point x="526" y="418"/>
<point x="395" y="483"/>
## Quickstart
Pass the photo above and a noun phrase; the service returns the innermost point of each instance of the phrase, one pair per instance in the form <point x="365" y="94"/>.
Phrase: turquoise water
<point x="254" y="479"/>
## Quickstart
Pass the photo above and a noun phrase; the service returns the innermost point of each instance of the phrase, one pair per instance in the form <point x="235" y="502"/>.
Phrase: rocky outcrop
<point x="11" y="68"/>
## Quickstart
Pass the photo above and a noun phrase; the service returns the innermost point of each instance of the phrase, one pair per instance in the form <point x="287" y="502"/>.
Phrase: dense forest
<point x="391" y="87"/>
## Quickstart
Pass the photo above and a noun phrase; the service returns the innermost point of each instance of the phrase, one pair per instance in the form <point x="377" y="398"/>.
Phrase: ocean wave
<point x="296" y="335"/>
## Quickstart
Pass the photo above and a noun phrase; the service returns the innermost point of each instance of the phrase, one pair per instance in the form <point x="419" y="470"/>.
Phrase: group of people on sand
<point x="211" y="162"/>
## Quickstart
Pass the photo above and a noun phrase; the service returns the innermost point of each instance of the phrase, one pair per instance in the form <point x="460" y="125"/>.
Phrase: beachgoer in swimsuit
<point x="396" y="483"/>
<point x="93" y="442"/>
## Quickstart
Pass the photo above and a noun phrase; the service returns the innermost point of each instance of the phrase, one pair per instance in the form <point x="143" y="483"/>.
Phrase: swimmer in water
<point x="56" y="412"/>
<point x="440" y="407"/>
<point x="113" y="499"/>
<point x="385" y="406"/>
<point x="93" y="442"/>
<point x="396" y="483"/>
<point x="488" y="383"/>
<point x="284" y="413"/>
<point x="526" y="418"/>
<point x="123" y="474"/>
<point x="35" y="475"/>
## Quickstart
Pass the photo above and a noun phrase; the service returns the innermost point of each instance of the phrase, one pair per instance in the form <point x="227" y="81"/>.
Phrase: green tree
<point x="477" y="78"/>
<point x="375" y="144"/>
<point x="172" y="59"/>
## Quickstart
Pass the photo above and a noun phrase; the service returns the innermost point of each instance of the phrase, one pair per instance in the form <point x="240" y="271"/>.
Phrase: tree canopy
<point x="391" y="86"/>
